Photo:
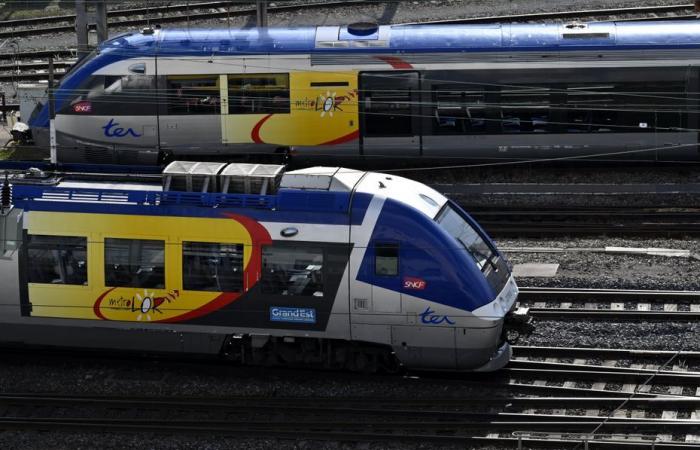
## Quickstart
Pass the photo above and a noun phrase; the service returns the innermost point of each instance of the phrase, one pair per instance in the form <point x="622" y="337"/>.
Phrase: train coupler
<point x="518" y="322"/>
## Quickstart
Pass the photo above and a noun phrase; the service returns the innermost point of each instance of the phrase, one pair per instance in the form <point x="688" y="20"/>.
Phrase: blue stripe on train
<point x="287" y="206"/>
<point x="426" y="253"/>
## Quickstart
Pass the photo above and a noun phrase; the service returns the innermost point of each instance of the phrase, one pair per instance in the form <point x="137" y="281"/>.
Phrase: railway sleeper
<point x="290" y="351"/>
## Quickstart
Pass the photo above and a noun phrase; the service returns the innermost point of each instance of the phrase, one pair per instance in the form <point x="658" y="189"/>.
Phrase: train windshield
<point x="453" y="222"/>
<point x="80" y="62"/>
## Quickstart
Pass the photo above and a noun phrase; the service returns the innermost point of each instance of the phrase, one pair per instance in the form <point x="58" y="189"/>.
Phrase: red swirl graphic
<point x="255" y="134"/>
<point x="258" y="235"/>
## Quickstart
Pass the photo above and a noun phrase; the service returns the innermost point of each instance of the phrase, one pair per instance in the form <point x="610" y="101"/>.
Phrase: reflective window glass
<point x="386" y="260"/>
<point x="57" y="259"/>
<point x="135" y="263"/>
<point x="212" y="267"/>
<point x="193" y="95"/>
<point x="258" y="93"/>
<point x="292" y="270"/>
<point x="467" y="236"/>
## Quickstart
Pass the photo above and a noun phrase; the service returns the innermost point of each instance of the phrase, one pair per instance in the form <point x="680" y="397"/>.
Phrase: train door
<point x="375" y="300"/>
<point x="188" y="113"/>
<point x="390" y="113"/>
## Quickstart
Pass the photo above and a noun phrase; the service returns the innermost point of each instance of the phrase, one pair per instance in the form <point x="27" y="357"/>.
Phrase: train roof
<point x="409" y="38"/>
<point x="321" y="190"/>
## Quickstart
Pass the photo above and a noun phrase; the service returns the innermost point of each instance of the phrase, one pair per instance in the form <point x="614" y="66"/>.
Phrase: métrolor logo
<point x="112" y="129"/>
<point x="296" y="315"/>
<point x="144" y="307"/>
<point x="414" y="283"/>
<point x="429" y="317"/>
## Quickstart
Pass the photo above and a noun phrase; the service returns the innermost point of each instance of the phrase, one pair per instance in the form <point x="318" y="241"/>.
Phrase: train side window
<point x="87" y="91"/>
<point x="129" y="95"/>
<point x="386" y="260"/>
<point x="135" y="263"/>
<point x="57" y="259"/>
<point x="388" y="111"/>
<point x="459" y="110"/>
<point x="292" y="270"/>
<point x="192" y="95"/>
<point x="626" y="107"/>
<point x="668" y="101"/>
<point x="635" y="103"/>
<point x="258" y="93"/>
<point x="524" y="109"/>
<point x="212" y="267"/>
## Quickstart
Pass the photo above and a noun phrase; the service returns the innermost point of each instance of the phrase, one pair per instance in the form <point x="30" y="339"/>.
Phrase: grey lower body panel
<point x="126" y="339"/>
<point x="498" y="360"/>
<point x="449" y="348"/>
<point x="673" y="146"/>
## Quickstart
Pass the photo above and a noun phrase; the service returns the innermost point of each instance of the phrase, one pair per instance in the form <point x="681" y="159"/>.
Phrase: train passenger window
<point x="626" y="107"/>
<point x="192" y="95"/>
<point x="258" y="93"/>
<point x="459" y="110"/>
<point x="134" y="263"/>
<point x="131" y="95"/>
<point x="669" y="101"/>
<point x="386" y="260"/>
<point x="57" y="259"/>
<point x="388" y="112"/>
<point x="581" y="108"/>
<point x="212" y="267"/>
<point x="524" y="109"/>
<point x="292" y="270"/>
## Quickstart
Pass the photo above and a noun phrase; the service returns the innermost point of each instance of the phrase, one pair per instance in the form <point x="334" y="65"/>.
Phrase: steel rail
<point x="537" y="298"/>
<point x="32" y="76"/>
<point x="557" y="220"/>
<point x="581" y="352"/>
<point x="476" y="20"/>
<point x="602" y="374"/>
<point x="560" y="313"/>
<point x="537" y="229"/>
<point x="525" y="189"/>
<point x="119" y="12"/>
<point x="19" y="56"/>
<point x="549" y="365"/>
<point x="540" y="292"/>
<point x="350" y="405"/>
<point x="527" y="17"/>
<point x="362" y="430"/>
<point x="34" y="65"/>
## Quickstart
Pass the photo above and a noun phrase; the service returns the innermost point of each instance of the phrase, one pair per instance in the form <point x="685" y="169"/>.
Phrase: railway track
<point x="638" y="13"/>
<point x="37" y="54"/>
<point x="555" y="406"/>
<point x="549" y="189"/>
<point x="460" y="420"/>
<point x="165" y="14"/>
<point x="539" y="221"/>
<point x="222" y="9"/>
<point x="574" y="303"/>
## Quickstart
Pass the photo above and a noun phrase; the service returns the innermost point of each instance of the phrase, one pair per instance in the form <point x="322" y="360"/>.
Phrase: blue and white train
<point x="615" y="91"/>
<point x="321" y="267"/>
